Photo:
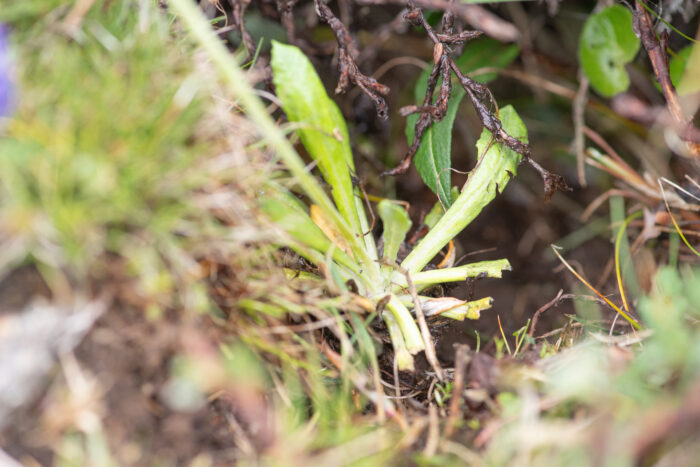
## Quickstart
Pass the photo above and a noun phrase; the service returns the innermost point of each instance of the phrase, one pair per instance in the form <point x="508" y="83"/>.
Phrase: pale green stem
<point x="491" y="171"/>
<point x="409" y="329"/>
<point x="237" y="81"/>
<point x="403" y="357"/>
<point x="364" y="225"/>
<point x="408" y="299"/>
<point x="317" y="258"/>
<point x="460" y="273"/>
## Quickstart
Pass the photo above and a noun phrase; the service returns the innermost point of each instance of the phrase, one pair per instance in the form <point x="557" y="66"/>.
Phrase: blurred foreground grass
<point x="103" y="152"/>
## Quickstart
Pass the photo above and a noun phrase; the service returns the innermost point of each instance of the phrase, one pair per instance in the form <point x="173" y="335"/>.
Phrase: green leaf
<point x="291" y="216"/>
<point x="685" y="70"/>
<point x="514" y="126"/>
<point x="676" y="66"/>
<point x="368" y="349"/>
<point x="323" y="131"/>
<point x="396" y="226"/>
<point x="433" y="159"/>
<point x="492" y="173"/>
<point x="437" y="211"/>
<point x="486" y="52"/>
<point x="608" y="43"/>
<point x="435" y="214"/>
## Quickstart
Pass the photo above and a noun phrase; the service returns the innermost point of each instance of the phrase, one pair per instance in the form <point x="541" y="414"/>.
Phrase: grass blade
<point x="618" y="242"/>
<point x="631" y="320"/>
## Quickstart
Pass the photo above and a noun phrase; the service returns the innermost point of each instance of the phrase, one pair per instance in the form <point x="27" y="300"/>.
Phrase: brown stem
<point x="349" y="72"/>
<point x="656" y="49"/>
<point x="475" y="15"/>
<point x="239" y="7"/>
<point x="285" y="9"/>
<point x="461" y="359"/>
<point x="477" y="94"/>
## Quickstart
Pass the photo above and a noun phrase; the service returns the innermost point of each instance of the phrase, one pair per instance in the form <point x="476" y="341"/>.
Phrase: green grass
<point x="627" y="391"/>
<point x="102" y="155"/>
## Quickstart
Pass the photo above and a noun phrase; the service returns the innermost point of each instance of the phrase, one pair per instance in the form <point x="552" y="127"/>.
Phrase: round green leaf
<point x="676" y="66"/>
<point x="607" y="44"/>
<point x="685" y="70"/>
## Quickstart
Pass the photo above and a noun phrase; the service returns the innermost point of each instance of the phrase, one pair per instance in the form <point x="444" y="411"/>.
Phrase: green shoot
<point x="520" y="336"/>
<point x="503" y="334"/>
<point x="618" y="242"/>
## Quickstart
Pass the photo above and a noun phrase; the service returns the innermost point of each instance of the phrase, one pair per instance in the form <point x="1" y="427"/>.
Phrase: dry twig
<point x="285" y="7"/>
<point x="656" y="49"/>
<point x="476" y="92"/>
<point x="238" y="9"/>
<point x="579" y="107"/>
<point x="554" y="302"/>
<point x="461" y="359"/>
<point x="349" y="72"/>
<point x="475" y="15"/>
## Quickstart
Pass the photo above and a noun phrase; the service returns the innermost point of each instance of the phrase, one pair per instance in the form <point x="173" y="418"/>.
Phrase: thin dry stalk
<point x="554" y="302"/>
<point x="431" y="444"/>
<point x="579" y="107"/>
<point x="476" y="16"/>
<point x="461" y="357"/>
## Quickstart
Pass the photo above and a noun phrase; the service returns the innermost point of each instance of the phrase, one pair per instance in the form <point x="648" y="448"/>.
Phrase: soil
<point x="130" y="356"/>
